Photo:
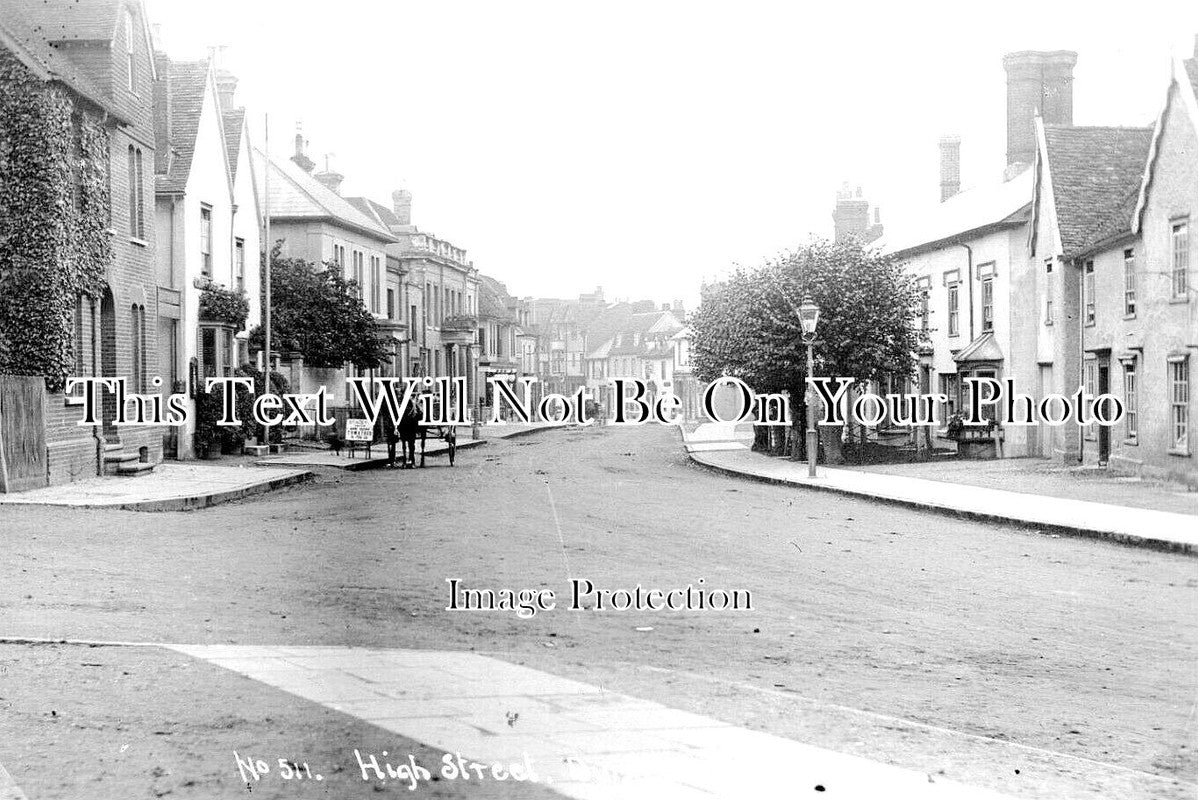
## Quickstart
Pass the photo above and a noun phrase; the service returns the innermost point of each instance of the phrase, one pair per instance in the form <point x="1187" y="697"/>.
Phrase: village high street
<point x="305" y="624"/>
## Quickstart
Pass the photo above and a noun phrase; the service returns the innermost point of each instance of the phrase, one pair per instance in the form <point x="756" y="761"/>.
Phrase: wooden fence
<point x="22" y="432"/>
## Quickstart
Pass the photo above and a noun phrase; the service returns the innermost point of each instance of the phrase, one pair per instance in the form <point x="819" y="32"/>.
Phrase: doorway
<point x="1104" y="431"/>
<point x="108" y="367"/>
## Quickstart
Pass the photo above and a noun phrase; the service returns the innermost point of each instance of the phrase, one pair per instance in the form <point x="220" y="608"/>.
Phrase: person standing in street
<point x="409" y="429"/>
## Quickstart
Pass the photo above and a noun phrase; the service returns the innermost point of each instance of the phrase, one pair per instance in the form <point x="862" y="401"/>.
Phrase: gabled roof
<point x="234" y="123"/>
<point x="79" y="20"/>
<point x="622" y="319"/>
<point x="965" y="216"/>
<point x="294" y="194"/>
<point x="1184" y="77"/>
<point x="983" y="348"/>
<point x="1093" y="170"/>
<point x="1116" y="226"/>
<point x="188" y="82"/>
<point x="20" y="37"/>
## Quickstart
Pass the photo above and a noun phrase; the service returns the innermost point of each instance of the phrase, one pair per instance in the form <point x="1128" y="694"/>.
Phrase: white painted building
<point x="207" y="220"/>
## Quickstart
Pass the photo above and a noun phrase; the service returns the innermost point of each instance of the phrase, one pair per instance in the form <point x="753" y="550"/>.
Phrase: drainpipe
<point x="1081" y="347"/>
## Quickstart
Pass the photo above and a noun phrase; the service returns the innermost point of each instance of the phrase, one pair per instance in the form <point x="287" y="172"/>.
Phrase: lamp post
<point x="808" y="319"/>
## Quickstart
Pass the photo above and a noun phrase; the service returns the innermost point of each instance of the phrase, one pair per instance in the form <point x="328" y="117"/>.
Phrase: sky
<point x="648" y="146"/>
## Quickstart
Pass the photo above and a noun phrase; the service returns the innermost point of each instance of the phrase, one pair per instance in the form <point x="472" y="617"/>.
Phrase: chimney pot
<point x="950" y="166"/>
<point x="226" y="87"/>
<point x="300" y="158"/>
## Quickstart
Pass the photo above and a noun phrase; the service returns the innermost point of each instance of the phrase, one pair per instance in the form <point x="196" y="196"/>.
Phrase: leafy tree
<point x="317" y="313"/>
<point x="748" y="326"/>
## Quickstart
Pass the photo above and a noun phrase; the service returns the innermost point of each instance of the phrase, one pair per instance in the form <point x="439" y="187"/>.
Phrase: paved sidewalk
<point x="1043" y="477"/>
<point x="581" y="740"/>
<point x="170" y="487"/>
<point x="724" y="447"/>
<point x="8" y="787"/>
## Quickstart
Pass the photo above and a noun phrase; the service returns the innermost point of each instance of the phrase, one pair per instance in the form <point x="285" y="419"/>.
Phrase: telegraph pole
<point x="269" y="251"/>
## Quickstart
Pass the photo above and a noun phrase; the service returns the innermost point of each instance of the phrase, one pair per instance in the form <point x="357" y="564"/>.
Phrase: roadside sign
<point x="359" y="430"/>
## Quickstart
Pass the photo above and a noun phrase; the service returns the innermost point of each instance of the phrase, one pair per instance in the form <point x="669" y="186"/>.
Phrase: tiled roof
<point x="23" y="38"/>
<point x="973" y="210"/>
<point x="295" y="194"/>
<point x="493" y="299"/>
<point x="376" y="211"/>
<point x="622" y="319"/>
<point x="233" y="123"/>
<point x="1117" y="224"/>
<point x="77" y="20"/>
<point x="1093" y="170"/>
<point x="188" y="80"/>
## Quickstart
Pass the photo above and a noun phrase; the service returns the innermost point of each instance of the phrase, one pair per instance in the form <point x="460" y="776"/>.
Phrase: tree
<point x="747" y="326"/>
<point x="317" y="313"/>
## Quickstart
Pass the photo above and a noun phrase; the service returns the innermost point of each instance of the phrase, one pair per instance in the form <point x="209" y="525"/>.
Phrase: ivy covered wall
<point x="54" y="219"/>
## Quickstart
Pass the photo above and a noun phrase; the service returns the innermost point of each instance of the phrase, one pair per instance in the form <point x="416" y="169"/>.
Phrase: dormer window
<point x="129" y="48"/>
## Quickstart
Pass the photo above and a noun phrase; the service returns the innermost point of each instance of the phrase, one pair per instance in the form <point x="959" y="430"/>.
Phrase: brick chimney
<point x="300" y="158"/>
<point x="331" y="178"/>
<point x="401" y="203"/>
<point x="226" y="86"/>
<point x="950" y="166"/>
<point x="851" y="215"/>
<point x="1037" y="81"/>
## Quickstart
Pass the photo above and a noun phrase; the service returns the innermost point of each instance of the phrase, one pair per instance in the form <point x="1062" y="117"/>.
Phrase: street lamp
<point x="808" y="319"/>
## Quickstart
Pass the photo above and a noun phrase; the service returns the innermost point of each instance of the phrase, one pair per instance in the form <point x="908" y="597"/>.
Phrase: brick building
<point x="100" y="51"/>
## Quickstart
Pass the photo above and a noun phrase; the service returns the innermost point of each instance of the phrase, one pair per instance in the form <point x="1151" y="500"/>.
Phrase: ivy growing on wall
<point x="54" y="216"/>
<point x="218" y="304"/>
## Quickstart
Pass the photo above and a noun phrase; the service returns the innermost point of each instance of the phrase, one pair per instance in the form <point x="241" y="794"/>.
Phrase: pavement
<point x="8" y="787"/>
<point x="726" y="447"/>
<point x="170" y="487"/>
<point x="361" y="458"/>
<point x="496" y="721"/>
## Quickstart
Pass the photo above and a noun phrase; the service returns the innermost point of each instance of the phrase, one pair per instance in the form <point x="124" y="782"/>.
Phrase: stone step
<point x="112" y="446"/>
<point x="135" y="468"/>
<point x="120" y="457"/>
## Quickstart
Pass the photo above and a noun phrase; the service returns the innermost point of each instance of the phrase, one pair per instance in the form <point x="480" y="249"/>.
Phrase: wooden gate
<point x="22" y="433"/>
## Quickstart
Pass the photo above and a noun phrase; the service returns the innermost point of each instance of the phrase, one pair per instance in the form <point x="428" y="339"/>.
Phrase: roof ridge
<point x="366" y="223"/>
<point x="1057" y="127"/>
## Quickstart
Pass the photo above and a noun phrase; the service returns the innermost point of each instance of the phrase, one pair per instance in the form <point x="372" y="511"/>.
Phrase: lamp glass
<point x="808" y="316"/>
